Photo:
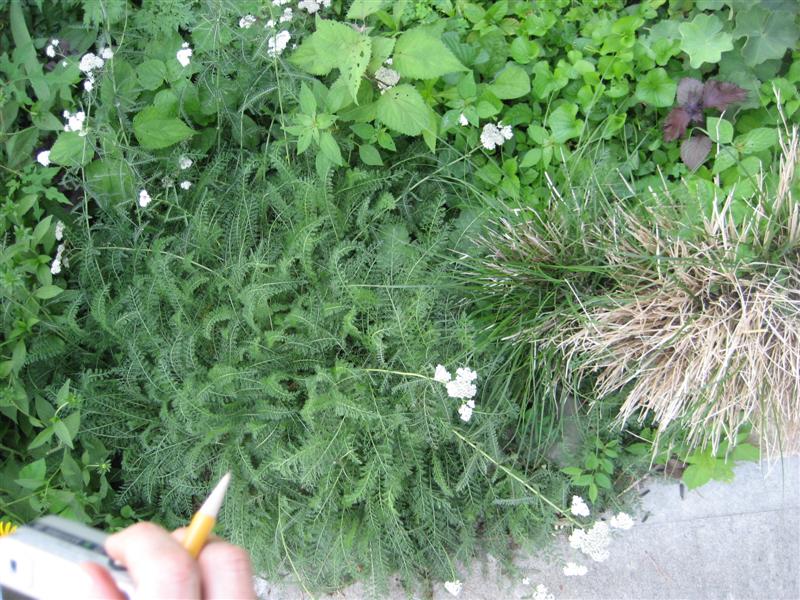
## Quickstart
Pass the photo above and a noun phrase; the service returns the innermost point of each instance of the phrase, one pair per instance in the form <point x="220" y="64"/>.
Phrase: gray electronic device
<point x="40" y="560"/>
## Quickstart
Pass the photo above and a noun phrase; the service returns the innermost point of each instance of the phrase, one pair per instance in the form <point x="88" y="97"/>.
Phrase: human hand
<point x="162" y="569"/>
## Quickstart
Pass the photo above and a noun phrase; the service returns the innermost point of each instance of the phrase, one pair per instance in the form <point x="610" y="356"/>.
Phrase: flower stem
<point x="516" y="477"/>
<point x="399" y="373"/>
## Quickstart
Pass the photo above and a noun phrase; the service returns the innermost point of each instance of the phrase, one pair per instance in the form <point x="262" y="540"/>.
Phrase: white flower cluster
<point x="184" y="55"/>
<point x="312" y="6"/>
<point x="386" y="78"/>
<point x="75" y="122"/>
<point x="280" y="2"/>
<point x="55" y="267"/>
<point x="495" y="135"/>
<point x="59" y="232"/>
<point x="454" y="587"/>
<point x="542" y="593"/>
<point x="621" y="521"/>
<point x="91" y="62"/>
<point x="462" y="120"/>
<point x="43" y="158"/>
<point x="184" y="162"/>
<point x="594" y="543"/>
<point x="572" y="569"/>
<point x="247" y="21"/>
<point x="461" y="387"/>
<point x="51" y="48"/>
<point x="185" y="185"/>
<point x="278" y="42"/>
<point x="578" y="507"/>
<point x="144" y="198"/>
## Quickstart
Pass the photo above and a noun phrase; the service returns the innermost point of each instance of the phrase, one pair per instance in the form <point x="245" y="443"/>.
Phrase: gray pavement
<point x="722" y="541"/>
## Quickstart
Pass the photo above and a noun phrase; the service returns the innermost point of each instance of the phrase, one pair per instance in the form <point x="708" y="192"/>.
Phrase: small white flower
<point x="465" y="410"/>
<point x="621" y="521"/>
<point x="389" y="61"/>
<point x="144" y="198"/>
<point x="107" y="53"/>
<point x="463" y="120"/>
<point x="59" y="233"/>
<point x="75" y="122"/>
<point x="466" y="374"/>
<point x="50" y="50"/>
<point x="185" y="185"/>
<point x="526" y="581"/>
<point x="43" y="158"/>
<point x="594" y="543"/>
<point x="576" y="538"/>
<point x="578" y="507"/>
<point x="542" y="593"/>
<point x="64" y="63"/>
<point x="54" y="42"/>
<point x="286" y="16"/>
<point x="280" y="2"/>
<point x="55" y="267"/>
<point x="495" y="135"/>
<point x="459" y="388"/>
<point x="184" y="162"/>
<point x="270" y="24"/>
<point x="184" y="55"/>
<point x="574" y="570"/>
<point x="277" y="43"/>
<point x="454" y="587"/>
<point x="88" y="85"/>
<point x="386" y="78"/>
<point x="247" y="21"/>
<point x="311" y="6"/>
<point x="441" y="374"/>
<point x="90" y="62"/>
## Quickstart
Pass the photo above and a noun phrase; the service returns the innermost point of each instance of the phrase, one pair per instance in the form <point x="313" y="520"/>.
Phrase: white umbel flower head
<point x="441" y="374"/>
<point x="594" y="543"/>
<point x="277" y="43"/>
<point x="247" y="21"/>
<point x="55" y="267"/>
<point x="90" y="62"/>
<point x="526" y="581"/>
<point x="280" y="2"/>
<point x="286" y="16"/>
<point x="184" y="162"/>
<point x="51" y="49"/>
<point x="466" y="374"/>
<point x="185" y="185"/>
<point x="43" y="158"/>
<point x="312" y="6"/>
<point x="75" y="122"/>
<point x="542" y="593"/>
<point x="144" y="198"/>
<point x="572" y="569"/>
<point x="459" y="388"/>
<point x="88" y="84"/>
<point x="59" y="232"/>
<point x="454" y="587"/>
<point x="184" y="55"/>
<point x="621" y="521"/>
<point x="462" y="120"/>
<point x="578" y="507"/>
<point x="107" y="53"/>
<point x="495" y="135"/>
<point x="465" y="410"/>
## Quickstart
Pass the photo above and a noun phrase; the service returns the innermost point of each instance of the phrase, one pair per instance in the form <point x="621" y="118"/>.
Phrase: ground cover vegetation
<point x="415" y="272"/>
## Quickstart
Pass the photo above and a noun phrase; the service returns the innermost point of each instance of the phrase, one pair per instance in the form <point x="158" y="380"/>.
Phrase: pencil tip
<point x="214" y="501"/>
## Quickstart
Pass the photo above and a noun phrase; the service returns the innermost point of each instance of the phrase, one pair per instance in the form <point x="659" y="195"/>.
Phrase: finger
<point x="225" y="572"/>
<point x="158" y="564"/>
<point x="99" y="583"/>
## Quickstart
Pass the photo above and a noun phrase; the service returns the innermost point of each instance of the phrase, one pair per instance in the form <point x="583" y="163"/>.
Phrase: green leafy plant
<point x="596" y="469"/>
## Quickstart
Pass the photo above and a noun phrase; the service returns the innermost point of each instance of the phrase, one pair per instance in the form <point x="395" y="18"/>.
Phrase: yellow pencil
<point x="204" y="519"/>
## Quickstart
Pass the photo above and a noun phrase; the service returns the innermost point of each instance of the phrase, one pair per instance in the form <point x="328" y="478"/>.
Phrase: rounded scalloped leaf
<point x="703" y="40"/>
<point x="656" y="88"/>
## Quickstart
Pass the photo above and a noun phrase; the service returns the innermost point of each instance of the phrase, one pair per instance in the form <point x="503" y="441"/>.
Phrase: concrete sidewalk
<point x="722" y="541"/>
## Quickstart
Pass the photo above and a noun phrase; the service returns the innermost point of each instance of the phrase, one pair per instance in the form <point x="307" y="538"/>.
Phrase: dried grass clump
<point x="695" y="319"/>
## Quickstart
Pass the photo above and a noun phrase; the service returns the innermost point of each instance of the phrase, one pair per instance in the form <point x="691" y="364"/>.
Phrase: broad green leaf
<point x="63" y="433"/>
<point x="696" y="475"/>
<point x="402" y="108"/>
<point x="512" y="82"/>
<point x="308" y="104"/>
<point x="154" y="130"/>
<point x="110" y="181"/>
<point x="32" y="476"/>
<point x="369" y="155"/>
<point x="48" y="291"/>
<point x="381" y="50"/>
<point x="770" y="33"/>
<point x="419" y="55"/>
<point x="71" y="150"/>
<point x="656" y="89"/>
<point x="329" y="148"/>
<point x="531" y="157"/>
<point x="18" y="356"/>
<point x="355" y="64"/>
<point x="703" y="40"/>
<point x="41" y="438"/>
<point x="563" y="124"/>
<point x="41" y="229"/>
<point x="726" y="158"/>
<point x="757" y="140"/>
<point x="719" y="130"/>
<point x="602" y="480"/>
<point x="746" y="452"/>
<point x="151" y="74"/>
<point x="361" y="9"/>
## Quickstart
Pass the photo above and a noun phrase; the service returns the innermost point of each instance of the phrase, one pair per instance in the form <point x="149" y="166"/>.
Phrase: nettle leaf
<point x="419" y="55"/>
<point x="354" y="67"/>
<point x="656" y="89"/>
<point x="676" y="123"/>
<point x="71" y="150"/>
<point x="155" y="130"/>
<point x="719" y="94"/>
<point x="402" y="108"/>
<point x="381" y="50"/>
<point x="512" y="82"/>
<point x="757" y="140"/>
<point x="361" y="9"/>
<point x="564" y="124"/>
<point x="703" y="40"/>
<point x="769" y="33"/>
<point x="694" y="151"/>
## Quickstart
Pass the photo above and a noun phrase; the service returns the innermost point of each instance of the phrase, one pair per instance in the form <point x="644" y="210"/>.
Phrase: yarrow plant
<point x="184" y="55"/>
<point x="144" y="198"/>
<point x="579" y="507"/>
<point x="453" y="587"/>
<point x="461" y="387"/>
<point x="277" y="43"/>
<point x="495" y="135"/>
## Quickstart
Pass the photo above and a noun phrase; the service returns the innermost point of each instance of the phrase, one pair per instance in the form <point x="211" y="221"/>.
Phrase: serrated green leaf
<point x="151" y="74"/>
<point x="32" y="476"/>
<point x="355" y="64"/>
<point x="154" y="130"/>
<point x="757" y="140"/>
<point x="402" y="108"/>
<point x="71" y="150"/>
<point x="512" y="82"/>
<point x="361" y="9"/>
<point x="62" y="433"/>
<point x="656" y="88"/>
<point x="381" y="50"/>
<point x="419" y="55"/>
<point x="308" y="104"/>
<point x="696" y="475"/>
<point x="329" y="148"/>
<point x="704" y="40"/>
<point x="41" y="438"/>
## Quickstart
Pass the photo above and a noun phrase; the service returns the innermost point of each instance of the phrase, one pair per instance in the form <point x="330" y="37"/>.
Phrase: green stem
<point x="400" y="373"/>
<point x="516" y="477"/>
